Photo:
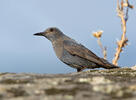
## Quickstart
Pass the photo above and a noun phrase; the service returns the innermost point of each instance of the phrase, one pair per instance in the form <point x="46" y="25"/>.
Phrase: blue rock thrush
<point x="72" y="53"/>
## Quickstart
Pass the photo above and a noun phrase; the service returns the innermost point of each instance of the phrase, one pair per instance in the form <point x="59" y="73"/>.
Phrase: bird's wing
<point x="79" y="50"/>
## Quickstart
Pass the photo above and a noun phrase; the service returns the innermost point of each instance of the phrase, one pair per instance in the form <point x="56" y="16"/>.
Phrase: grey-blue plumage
<point x="72" y="53"/>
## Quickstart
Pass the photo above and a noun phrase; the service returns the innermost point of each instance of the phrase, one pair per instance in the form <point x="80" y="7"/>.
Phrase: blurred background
<point x="20" y="51"/>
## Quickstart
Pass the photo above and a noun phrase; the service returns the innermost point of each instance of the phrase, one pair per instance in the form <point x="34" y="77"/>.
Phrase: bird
<point x="73" y="53"/>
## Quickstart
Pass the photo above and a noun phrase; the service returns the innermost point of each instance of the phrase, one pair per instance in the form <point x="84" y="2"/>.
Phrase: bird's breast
<point x="58" y="48"/>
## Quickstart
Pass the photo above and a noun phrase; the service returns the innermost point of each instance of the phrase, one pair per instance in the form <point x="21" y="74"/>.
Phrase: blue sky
<point x="20" y="51"/>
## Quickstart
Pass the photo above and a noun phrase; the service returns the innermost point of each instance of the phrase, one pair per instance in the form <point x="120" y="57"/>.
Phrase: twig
<point x="124" y="17"/>
<point x="98" y="36"/>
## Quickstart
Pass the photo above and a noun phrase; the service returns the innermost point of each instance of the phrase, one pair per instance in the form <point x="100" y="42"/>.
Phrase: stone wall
<point x="111" y="84"/>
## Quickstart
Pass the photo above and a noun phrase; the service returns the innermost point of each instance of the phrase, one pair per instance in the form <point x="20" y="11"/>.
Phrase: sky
<point x="20" y="51"/>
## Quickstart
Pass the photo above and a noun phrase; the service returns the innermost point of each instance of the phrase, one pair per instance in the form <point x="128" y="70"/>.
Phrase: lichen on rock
<point x="94" y="84"/>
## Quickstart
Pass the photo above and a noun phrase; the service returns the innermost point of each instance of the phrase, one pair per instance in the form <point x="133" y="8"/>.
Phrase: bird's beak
<point x="39" y="34"/>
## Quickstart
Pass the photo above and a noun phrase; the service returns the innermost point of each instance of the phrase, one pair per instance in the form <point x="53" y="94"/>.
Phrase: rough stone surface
<point x="116" y="84"/>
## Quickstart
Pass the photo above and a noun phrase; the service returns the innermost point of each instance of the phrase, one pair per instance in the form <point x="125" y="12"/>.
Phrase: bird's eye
<point x="51" y="30"/>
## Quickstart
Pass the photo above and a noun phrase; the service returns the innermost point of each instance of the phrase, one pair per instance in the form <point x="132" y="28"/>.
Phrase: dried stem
<point x="124" y="17"/>
<point x="104" y="49"/>
<point x="98" y="36"/>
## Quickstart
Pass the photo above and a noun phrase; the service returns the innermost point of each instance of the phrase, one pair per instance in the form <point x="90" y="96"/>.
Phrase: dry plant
<point x="122" y="10"/>
<point x="98" y="35"/>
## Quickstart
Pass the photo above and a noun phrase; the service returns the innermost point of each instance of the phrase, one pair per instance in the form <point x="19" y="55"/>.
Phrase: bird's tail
<point x="108" y="65"/>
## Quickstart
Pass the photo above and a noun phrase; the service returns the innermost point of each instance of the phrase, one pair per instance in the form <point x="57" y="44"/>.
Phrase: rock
<point x="87" y="85"/>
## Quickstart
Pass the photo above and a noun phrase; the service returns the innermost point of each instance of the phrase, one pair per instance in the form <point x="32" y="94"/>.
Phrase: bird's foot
<point x="80" y="69"/>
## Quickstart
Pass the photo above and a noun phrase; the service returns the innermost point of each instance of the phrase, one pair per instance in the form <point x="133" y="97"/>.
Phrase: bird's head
<point x="51" y="33"/>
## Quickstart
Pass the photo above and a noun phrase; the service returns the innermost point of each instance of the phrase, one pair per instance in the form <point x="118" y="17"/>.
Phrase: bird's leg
<point x="80" y="69"/>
